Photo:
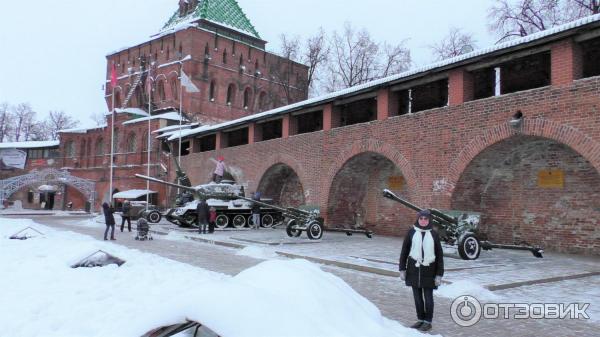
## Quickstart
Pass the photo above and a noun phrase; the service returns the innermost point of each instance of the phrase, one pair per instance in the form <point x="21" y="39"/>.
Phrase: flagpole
<point x="180" y="111"/>
<point x="112" y="145"/>
<point x="149" y="144"/>
<point x="180" y="107"/>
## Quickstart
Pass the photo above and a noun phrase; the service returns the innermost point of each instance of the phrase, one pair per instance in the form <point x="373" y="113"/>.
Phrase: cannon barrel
<point x="182" y="177"/>
<point x="188" y="188"/>
<point x="438" y="216"/>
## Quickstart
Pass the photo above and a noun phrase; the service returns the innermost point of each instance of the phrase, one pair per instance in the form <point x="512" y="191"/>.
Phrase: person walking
<point x="422" y="267"/>
<point x="202" y="216"/>
<point x="256" y="211"/>
<point x="212" y="218"/>
<point x="109" y="220"/>
<point x="126" y="216"/>
<point x="219" y="170"/>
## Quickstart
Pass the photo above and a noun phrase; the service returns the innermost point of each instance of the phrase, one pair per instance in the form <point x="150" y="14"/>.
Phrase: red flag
<point x="113" y="76"/>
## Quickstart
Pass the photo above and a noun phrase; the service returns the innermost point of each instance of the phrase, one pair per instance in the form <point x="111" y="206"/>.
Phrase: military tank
<point x="236" y="213"/>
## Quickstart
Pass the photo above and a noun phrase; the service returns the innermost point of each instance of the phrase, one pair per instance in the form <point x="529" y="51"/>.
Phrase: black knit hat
<point x="425" y="212"/>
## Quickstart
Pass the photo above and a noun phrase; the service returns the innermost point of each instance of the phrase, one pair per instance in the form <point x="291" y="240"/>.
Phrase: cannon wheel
<point x="267" y="221"/>
<point x="222" y="221"/>
<point x="239" y="221"/>
<point x="314" y="230"/>
<point x="291" y="232"/>
<point x="469" y="246"/>
<point x="154" y="217"/>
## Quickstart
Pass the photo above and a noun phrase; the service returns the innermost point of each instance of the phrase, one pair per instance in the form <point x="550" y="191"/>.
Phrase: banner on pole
<point x="187" y="83"/>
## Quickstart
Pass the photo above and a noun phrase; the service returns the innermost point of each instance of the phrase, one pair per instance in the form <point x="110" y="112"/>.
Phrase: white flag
<point x="186" y="82"/>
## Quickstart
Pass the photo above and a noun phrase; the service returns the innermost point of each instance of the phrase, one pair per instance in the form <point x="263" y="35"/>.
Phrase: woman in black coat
<point x="109" y="219"/>
<point x="422" y="266"/>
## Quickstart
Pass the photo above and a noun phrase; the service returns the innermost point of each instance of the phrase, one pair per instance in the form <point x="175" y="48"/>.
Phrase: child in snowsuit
<point x="422" y="267"/>
<point x="219" y="170"/>
<point x="212" y="218"/>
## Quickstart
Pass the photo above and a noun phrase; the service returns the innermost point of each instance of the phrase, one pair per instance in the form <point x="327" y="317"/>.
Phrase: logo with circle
<point x="465" y="310"/>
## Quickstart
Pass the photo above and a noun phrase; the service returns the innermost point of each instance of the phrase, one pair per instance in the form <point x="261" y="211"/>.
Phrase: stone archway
<point x="376" y="146"/>
<point x="48" y="176"/>
<point x="533" y="189"/>
<point x="574" y="138"/>
<point x="282" y="184"/>
<point x="355" y="196"/>
<point x="293" y="165"/>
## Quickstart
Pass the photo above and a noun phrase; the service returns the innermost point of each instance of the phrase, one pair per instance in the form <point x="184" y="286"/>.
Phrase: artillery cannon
<point x="460" y="229"/>
<point x="306" y="221"/>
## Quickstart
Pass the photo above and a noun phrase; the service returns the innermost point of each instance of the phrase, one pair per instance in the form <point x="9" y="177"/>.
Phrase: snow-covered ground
<point x="43" y="296"/>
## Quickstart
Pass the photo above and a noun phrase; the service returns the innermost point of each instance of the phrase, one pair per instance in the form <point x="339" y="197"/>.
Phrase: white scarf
<point x="422" y="244"/>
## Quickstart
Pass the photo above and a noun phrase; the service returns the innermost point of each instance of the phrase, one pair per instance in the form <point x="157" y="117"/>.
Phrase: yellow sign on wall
<point x="395" y="182"/>
<point x="553" y="178"/>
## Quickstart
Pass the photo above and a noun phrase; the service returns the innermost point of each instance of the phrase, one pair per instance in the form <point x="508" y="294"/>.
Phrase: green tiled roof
<point x="225" y="12"/>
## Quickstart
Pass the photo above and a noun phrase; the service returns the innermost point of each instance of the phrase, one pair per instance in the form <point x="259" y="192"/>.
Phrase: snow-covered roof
<point x="172" y="116"/>
<point x="82" y="130"/>
<point x="29" y="145"/>
<point x="132" y="194"/>
<point x="175" y="127"/>
<point x="455" y="61"/>
<point x="133" y="111"/>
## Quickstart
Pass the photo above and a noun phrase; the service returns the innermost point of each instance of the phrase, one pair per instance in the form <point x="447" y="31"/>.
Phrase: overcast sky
<point x="53" y="52"/>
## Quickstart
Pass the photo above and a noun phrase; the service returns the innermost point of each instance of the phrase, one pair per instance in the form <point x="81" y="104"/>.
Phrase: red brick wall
<point x="432" y="149"/>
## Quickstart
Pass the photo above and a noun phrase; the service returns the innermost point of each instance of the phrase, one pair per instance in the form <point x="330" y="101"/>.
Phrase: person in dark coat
<point x="109" y="220"/>
<point x="422" y="266"/>
<point x="256" y="210"/>
<point x="126" y="215"/>
<point x="202" y="216"/>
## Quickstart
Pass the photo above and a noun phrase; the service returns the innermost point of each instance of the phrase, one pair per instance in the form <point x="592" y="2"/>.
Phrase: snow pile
<point x="257" y="253"/>
<point x="42" y="296"/>
<point x="465" y="287"/>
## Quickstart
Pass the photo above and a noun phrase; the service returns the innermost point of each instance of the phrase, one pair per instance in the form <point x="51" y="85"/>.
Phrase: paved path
<point x="390" y="296"/>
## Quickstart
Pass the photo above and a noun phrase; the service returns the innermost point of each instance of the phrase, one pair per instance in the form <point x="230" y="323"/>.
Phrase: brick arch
<point x="570" y="136"/>
<point x="375" y="146"/>
<point x="282" y="158"/>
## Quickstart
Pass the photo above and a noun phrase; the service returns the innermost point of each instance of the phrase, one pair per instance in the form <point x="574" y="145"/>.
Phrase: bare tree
<point x="523" y="17"/>
<point x="396" y="59"/>
<point x="58" y="120"/>
<point x="290" y="47"/>
<point x="98" y="118"/>
<point x="5" y="121"/>
<point x="454" y="44"/>
<point x="356" y="59"/>
<point x="24" y="117"/>
<point x="581" y="8"/>
<point x="315" y="55"/>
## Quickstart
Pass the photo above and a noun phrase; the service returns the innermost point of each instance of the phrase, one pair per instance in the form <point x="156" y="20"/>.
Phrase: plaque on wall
<point x="553" y="178"/>
<point x="395" y="182"/>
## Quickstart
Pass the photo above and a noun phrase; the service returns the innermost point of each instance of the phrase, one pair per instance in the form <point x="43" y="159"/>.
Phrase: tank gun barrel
<point x="181" y="175"/>
<point x="197" y="192"/>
